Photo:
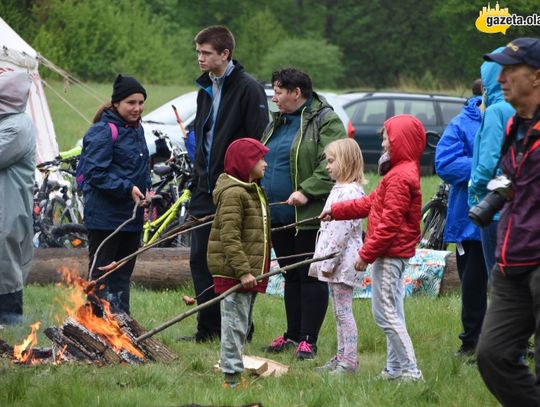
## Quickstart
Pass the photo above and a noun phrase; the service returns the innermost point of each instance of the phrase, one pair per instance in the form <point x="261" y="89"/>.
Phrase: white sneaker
<point x="342" y="369"/>
<point x="411" y="376"/>
<point x="330" y="365"/>
<point x="389" y="375"/>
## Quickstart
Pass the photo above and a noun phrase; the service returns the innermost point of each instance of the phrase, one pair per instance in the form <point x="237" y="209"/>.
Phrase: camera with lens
<point x="501" y="191"/>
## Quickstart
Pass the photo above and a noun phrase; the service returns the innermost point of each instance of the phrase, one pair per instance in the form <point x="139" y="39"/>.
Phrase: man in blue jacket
<point x="453" y="158"/>
<point x="487" y="150"/>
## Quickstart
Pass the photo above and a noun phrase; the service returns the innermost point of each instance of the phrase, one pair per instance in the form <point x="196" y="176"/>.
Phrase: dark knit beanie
<point x="125" y="86"/>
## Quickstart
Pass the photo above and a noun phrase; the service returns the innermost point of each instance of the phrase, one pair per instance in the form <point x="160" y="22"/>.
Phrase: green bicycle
<point x="169" y="204"/>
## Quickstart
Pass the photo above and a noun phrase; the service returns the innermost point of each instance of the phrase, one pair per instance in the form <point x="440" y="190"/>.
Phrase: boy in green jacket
<point x="239" y="247"/>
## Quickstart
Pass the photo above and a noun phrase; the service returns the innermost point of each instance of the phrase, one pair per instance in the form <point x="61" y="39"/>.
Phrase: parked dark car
<point x="369" y="110"/>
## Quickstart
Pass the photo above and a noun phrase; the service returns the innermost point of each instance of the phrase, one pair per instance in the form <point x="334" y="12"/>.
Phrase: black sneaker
<point x="466" y="351"/>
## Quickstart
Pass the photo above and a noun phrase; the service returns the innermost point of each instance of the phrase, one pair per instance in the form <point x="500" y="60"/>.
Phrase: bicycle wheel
<point x="70" y="235"/>
<point x="434" y="220"/>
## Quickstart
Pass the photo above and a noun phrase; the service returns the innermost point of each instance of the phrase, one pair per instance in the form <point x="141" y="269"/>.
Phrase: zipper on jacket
<point x="265" y="219"/>
<point x="296" y="164"/>
<point x="202" y="143"/>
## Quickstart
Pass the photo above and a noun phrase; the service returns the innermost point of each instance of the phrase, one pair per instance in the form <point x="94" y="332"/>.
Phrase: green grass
<point x="70" y="126"/>
<point x="433" y="325"/>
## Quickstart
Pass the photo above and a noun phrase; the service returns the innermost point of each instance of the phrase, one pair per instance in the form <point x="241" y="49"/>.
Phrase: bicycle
<point x="434" y="220"/>
<point x="169" y="202"/>
<point x="57" y="209"/>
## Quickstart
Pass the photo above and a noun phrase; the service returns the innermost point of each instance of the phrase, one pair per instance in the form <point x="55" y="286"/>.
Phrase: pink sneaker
<point x="306" y="350"/>
<point x="280" y="344"/>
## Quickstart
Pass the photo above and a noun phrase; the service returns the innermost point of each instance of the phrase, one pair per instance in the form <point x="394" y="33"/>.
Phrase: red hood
<point x="241" y="157"/>
<point x="407" y="137"/>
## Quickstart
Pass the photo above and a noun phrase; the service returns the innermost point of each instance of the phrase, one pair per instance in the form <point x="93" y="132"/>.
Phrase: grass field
<point x="433" y="325"/>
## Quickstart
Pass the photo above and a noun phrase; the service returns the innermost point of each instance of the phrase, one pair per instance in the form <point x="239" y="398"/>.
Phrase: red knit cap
<point x="241" y="157"/>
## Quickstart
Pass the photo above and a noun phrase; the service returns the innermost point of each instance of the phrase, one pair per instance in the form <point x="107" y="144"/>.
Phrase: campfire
<point x="84" y="336"/>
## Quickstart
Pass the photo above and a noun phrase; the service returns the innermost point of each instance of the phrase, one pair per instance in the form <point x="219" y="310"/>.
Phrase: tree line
<point x="340" y="43"/>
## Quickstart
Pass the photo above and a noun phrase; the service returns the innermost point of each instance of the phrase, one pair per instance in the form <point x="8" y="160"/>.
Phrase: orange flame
<point x="107" y="327"/>
<point x="23" y="352"/>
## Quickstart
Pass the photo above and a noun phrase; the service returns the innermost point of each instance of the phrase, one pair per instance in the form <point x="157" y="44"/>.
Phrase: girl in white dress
<point x="345" y="165"/>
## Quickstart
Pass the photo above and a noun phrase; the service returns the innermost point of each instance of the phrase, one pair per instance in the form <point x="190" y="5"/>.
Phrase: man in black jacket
<point x="230" y="105"/>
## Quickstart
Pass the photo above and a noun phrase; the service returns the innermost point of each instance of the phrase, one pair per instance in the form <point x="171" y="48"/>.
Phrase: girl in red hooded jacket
<point x="393" y="212"/>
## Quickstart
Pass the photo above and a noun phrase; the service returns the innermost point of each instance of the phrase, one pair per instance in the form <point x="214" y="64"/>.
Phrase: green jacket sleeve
<point x="319" y="183"/>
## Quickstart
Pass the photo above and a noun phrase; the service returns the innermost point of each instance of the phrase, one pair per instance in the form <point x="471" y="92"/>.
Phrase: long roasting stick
<point x="191" y="300"/>
<point x="184" y="228"/>
<point x="111" y="268"/>
<point x="217" y="299"/>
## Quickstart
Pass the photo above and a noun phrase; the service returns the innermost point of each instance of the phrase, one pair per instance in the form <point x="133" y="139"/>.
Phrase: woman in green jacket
<point x="297" y="136"/>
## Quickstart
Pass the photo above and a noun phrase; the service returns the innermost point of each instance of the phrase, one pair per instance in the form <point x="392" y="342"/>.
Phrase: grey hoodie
<point x="17" y="166"/>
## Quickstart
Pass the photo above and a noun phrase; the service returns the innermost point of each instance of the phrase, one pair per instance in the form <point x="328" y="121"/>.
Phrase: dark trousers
<point x="306" y="298"/>
<point x="11" y="308"/>
<point x="114" y="288"/>
<point x="512" y="317"/>
<point x="474" y="281"/>
<point x="209" y="319"/>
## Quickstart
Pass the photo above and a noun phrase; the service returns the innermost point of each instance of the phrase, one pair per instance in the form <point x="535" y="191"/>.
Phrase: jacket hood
<point x="14" y="92"/>
<point x="489" y="72"/>
<point x="241" y="157"/>
<point x="407" y="137"/>
<point x="472" y="108"/>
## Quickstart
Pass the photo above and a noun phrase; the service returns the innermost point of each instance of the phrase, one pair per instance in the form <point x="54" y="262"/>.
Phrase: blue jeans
<point x="236" y="317"/>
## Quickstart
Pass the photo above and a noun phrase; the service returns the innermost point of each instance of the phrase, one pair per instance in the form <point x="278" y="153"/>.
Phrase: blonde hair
<point x="349" y="160"/>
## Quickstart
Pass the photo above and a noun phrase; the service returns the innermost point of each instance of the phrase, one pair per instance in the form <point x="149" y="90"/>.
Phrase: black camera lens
<point x="482" y="214"/>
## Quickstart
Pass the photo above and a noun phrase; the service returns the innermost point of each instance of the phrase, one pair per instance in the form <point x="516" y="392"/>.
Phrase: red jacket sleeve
<point x="395" y="201"/>
<point x="353" y="209"/>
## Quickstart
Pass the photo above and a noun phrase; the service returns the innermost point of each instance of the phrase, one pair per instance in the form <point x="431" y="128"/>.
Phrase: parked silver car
<point x="164" y="120"/>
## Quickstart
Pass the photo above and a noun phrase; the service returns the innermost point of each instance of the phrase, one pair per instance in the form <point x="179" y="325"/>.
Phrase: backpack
<point x="79" y="175"/>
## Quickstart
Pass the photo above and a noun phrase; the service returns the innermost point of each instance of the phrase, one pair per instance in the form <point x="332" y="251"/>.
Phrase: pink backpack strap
<point x="114" y="131"/>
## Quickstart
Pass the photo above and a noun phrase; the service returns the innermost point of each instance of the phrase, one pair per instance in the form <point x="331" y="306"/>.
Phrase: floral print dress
<point x="344" y="237"/>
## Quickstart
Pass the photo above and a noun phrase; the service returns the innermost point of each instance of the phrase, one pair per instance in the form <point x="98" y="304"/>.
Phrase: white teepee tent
<point x="16" y="54"/>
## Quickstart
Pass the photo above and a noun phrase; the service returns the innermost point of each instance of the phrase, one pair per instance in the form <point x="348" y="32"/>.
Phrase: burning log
<point x="78" y="342"/>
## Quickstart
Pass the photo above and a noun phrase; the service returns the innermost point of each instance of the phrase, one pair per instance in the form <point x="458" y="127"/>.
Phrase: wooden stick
<point x="191" y="300"/>
<point x="112" y="267"/>
<point x="217" y="299"/>
<point x="292" y="225"/>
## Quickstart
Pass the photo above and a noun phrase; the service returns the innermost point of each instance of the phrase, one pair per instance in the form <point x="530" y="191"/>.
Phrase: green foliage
<point x="258" y="32"/>
<point x="96" y="40"/>
<point x="321" y="60"/>
<point x="430" y="44"/>
<point x="18" y="14"/>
